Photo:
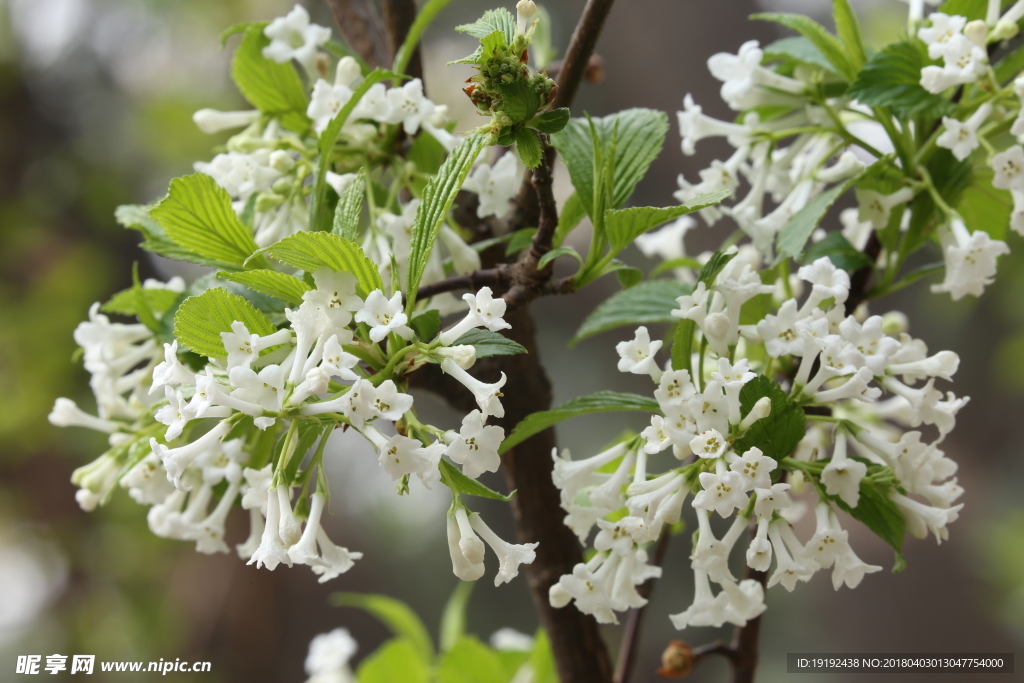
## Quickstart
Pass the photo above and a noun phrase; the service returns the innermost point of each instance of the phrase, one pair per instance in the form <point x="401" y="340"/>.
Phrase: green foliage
<point x="309" y="251"/>
<point x="529" y="148"/>
<point x="453" y="619"/>
<point x="839" y="250"/>
<point x="157" y="300"/>
<point x="286" y="287"/>
<point x="798" y="49"/>
<point x="492" y="20"/>
<point x="646" y="303"/>
<point x="826" y="43"/>
<point x="489" y="343"/>
<point x="714" y="266"/>
<point x="200" y="320"/>
<point x="197" y="216"/>
<point x="470" y="661"/>
<point x="1010" y="66"/>
<point x="877" y="512"/>
<point x="557" y="252"/>
<point x="424" y="18"/>
<point x="155" y="239"/>
<point x="778" y="434"/>
<point x="460" y="483"/>
<point x="275" y="89"/>
<point x="623" y="226"/>
<point x="848" y="30"/>
<point x="437" y="200"/>
<point x="426" y="324"/>
<point x="398" y="617"/>
<point x="551" y="121"/>
<point x="682" y="346"/>
<point x="971" y="9"/>
<point x="396" y="660"/>
<point x="350" y="205"/>
<point x="427" y="153"/>
<point x="794" y="236"/>
<point x="569" y="217"/>
<point x="599" y="402"/>
<point x="892" y="78"/>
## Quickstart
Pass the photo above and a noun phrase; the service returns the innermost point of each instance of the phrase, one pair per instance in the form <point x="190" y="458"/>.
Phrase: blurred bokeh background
<point x="96" y="98"/>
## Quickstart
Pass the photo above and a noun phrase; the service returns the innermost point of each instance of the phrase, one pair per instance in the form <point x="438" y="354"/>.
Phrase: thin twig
<point x="581" y="47"/>
<point x="631" y="634"/>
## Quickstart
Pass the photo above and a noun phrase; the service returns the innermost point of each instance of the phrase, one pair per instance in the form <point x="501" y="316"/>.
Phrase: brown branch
<point x="581" y="47"/>
<point x="496" y="278"/>
<point x="398" y="18"/>
<point x="745" y="640"/>
<point x="861" y="278"/>
<point x="363" y="30"/>
<point x="631" y="634"/>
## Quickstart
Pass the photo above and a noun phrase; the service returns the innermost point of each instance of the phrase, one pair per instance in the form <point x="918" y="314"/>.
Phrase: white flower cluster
<point x="840" y="365"/>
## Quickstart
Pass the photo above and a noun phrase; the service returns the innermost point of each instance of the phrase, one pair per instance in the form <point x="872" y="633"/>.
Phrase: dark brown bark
<point x="581" y="47"/>
<point x="745" y="641"/>
<point x="398" y="18"/>
<point x="631" y="634"/>
<point x="363" y="30"/>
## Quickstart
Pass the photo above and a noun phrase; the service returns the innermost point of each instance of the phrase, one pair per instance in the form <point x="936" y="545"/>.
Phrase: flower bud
<point x="1004" y="30"/>
<point x="976" y="31"/>
<point x="525" y="9"/>
<point x="212" y="121"/>
<point x="464" y="355"/>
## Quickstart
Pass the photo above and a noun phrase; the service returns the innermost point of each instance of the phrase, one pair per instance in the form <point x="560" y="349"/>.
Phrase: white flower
<point x="488" y="396"/>
<point x="66" y="413"/>
<point x="637" y="356"/>
<point x="964" y="62"/>
<point x="790" y="565"/>
<point x="484" y="311"/>
<point x="962" y="137"/>
<point x="147" y="482"/>
<point x="525" y="9"/>
<point x="476" y="446"/>
<point x="272" y="550"/>
<point x="850" y="569"/>
<point x="465" y="259"/>
<point x="755" y="467"/>
<point x="389" y="403"/>
<point x="771" y="499"/>
<point x="970" y="261"/>
<point x="842" y="476"/>
<point x="674" y="389"/>
<point x="707" y="609"/>
<point x="409" y="107"/>
<point x="329" y="654"/>
<point x="325" y="103"/>
<point x="177" y="459"/>
<point x="710" y="444"/>
<point x="923" y="518"/>
<point x="264" y="389"/>
<point x="495" y="185"/>
<point x="510" y="555"/>
<point x="176" y="414"/>
<point x="759" y="552"/>
<point x="334" y="559"/>
<point x="336" y="362"/>
<point x="241" y="175"/>
<point x="779" y="332"/>
<point x="830" y="541"/>
<point x="828" y="282"/>
<point x="293" y="37"/>
<point x="742" y="76"/>
<point x="722" y="492"/>
<point x="211" y="121"/>
<point x="171" y="372"/>
<point x="694" y="126"/>
<point x="943" y="30"/>
<point x="876" y="207"/>
<point x="666" y="243"/>
<point x="466" y="549"/>
<point x="588" y="587"/>
<point x="243" y="347"/>
<point x="384" y="316"/>
<point x="401" y="456"/>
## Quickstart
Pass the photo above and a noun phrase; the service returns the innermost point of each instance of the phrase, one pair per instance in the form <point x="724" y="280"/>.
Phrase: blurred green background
<point x="96" y="98"/>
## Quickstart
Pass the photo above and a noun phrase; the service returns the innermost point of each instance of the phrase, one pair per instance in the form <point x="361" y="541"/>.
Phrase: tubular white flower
<point x="755" y="468"/>
<point x="305" y="551"/>
<point x="487" y="395"/>
<point x="694" y="126"/>
<point x="209" y="534"/>
<point x="170" y="372"/>
<point x="510" y="555"/>
<point x="336" y="559"/>
<point x="329" y="654"/>
<point x="923" y="518"/>
<point x="771" y="499"/>
<point x="525" y="9"/>
<point x="876" y="207"/>
<point x="476" y="446"/>
<point x="761" y="409"/>
<point x="637" y="356"/>
<point x="759" y="552"/>
<point x="409" y="107"/>
<point x="940" y="34"/>
<point x="842" y="476"/>
<point x="962" y="137"/>
<point x="389" y="403"/>
<point x="712" y="555"/>
<point x="723" y="492"/>
<point x="465" y="568"/>
<point x="484" y="311"/>
<point x="66" y="413"/>
<point x="787" y="569"/>
<point x="294" y="37"/>
<point x="464" y="355"/>
<point x="401" y="456"/>
<point x="495" y="186"/>
<point x="384" y="316"/>
<point x="271" y="551"/>
<point x="707" y="609"/>
<point x="176" y="460"/>
<point x="743" y="78"/>
<point x="211" y="121"/>
<point x="970" y="260"/>
<point x="710" y="444"/>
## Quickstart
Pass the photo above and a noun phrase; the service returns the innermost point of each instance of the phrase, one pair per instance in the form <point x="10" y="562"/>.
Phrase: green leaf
<point x="529" y="148"/>
<point x="541" y="49"/>
<point x="470" y="661"/>
<point x="492" y="20"/>
<point x="826" y="43"/>
<point x="143" y="311"/>
<point x="971" y="9"/>
<point x="714" y="266"/>
<point x="982" y="206"/>
<point x="797" y="48"/>
<point x="197" y="215"/>
<point x="489" y="343"/>
<point x="309" y="251"/>
<point x="350" y="206"/>
<point x="453" y="619"/>
<point x="551" y="121"/>
<point x="892" y="78"/>
<point x="778" y="434"/>
<point x="436" y="201"/>
<point x="599" y="402"/>
<point x="1010" y="66"/>
<point x="839" y="250"/>
<point x="454" y="477"/>
<point x="556" y="252"/>
<point x="622" y="226"/>
<point x="275" y="89"/>
<point x="848" y="30"/>
<point x="672" y="264"/>
<point x="200" y="320"/>
<point x="794" y="236"/>
<point x="319" y="216"/>
<point x="646" y="303"/>
<point x="627" y="275"/>
<point x="682" y="346"/>
<point x="426" y="324"/>
<point x="519" y="240"/>
<point x="519" y="100"/>
<point x="877" y="512"/>
<point x="424" y="18"/>
<point x="641" y="135"/>
<point x="427" y="153"/>
<point x="569" y="217"/>
<point x="157" y="299"/>
<point x="396" y="660"/>
<point x="397" y="616"/>
<point x="236" y="29"/>
<point x="542" y="659"/>
<point x="281" y="285"/>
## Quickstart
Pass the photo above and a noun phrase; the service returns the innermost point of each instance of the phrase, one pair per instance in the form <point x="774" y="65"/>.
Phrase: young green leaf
<point x="454" y="477"/>
<point x="453" y="619"/>
<point x="529" y="148"/>
<point x="350" y="206"/>
<point x="599" y="402"/>
<point x="550" y="121"/>
<point x="470" y="661"/>
<point x="848" y="29"/>
<point x="826" y="43"/>
<point x="197" y="215"/>
<point x="799" y="49"/>
<point x="622" y="226"/>
<point x="489" y="343"/>
<point x="275" y="89"/>
<point x="200" y="320"/>
<point x="492" y="20"/>
<point x="714" y="266"/>
<point x="520" y="100"/>
<point x="839" y="250"/>
<point x="556" y="252"/>
<point x="877" y="512"/>
<point x="286" y="287"/>
<point x="627" y="275"/>
<point x="778" y="434"/>
<point x="397" y="616"/>
<point x="437" y="200"/>
<point x="311" y="250"/>
<point x="892" y="78"/>
<point x="682" y="346"/>
<point x="569" y="217"/>
<point x="396" y="660"/>
<point x="426" y="324"/>
<point x="158" y="300"/>
<point x="646" y="303"/>
<point x="794" y="236"/>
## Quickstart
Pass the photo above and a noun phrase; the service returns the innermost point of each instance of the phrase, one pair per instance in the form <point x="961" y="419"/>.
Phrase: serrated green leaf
<point x="436" y="201"/>
<point x="426" y="324"/>
<point x="641" y="135"/>
<point x="427" y="153"/>
<point x="158" y="300"/>
<point x="778" y="434"/>
<point x="622" y="226"/>
<point x="646" y="303"/>
<point x="519" y="100"/>
<point x="599" y="402"/>
<point x="982" y="206"/>
<point x="892" y="78"/>
<point x="877" y="512"/>
<point x="281" y="285"/>
<point x="200" y="320"/>
<point x="569" y="217"/>
<point x="551" y="121"/>
<point x="275" y="89"/>
<point x="453" y="619"/>
<point x="492" y="20"/>
<point x="350" y="206"/>
<point x="529" y="148"/>
<point x="714" y="266"/>
<point x="797" y="48"/>
<point x="470" y="661"/>
<point x="319" y="216"/>
<point x="397" y="616"/>
<point x="794" y="236"/>
<point x="826" y="43"/>
<point x="311" y="250"/>
<point x="672" y="264"/>
<point x="471" y="487"/>
<point x="848" y="29"/>
<point x="197" y="215"/>
<point x="395" y="660"/>
<point x="556" y="252"/>
<point x="839" y="250"/>
<point x="682" y="346"/>
<point x="489" y="343"/>
<point x="236" y="29"/>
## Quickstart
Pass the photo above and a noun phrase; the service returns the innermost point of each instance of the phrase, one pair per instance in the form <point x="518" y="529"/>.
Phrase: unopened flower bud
<point x="525" y="9"/>
<point x="976" y="31"/>
<point x="281" y="160"/>
<point x="212" y="121"/>
<point x="761" y="409"/>
<point x="1004" y="30"/>
<point x="464" y="355"/>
